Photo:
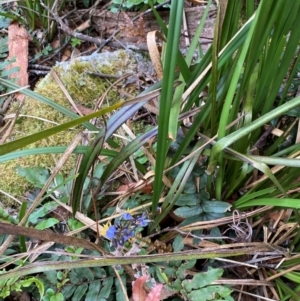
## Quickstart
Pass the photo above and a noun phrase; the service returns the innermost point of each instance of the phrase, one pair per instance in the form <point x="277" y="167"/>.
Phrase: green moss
<point x="138" y="127"/>
<point x="84" y="89"/>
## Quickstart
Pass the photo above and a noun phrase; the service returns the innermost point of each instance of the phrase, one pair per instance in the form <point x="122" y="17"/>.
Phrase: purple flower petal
<point x="127" y="216"/>
<point x="127" y="234"/>
<point x="111" y="232"/>
<point x="143" y="221"/>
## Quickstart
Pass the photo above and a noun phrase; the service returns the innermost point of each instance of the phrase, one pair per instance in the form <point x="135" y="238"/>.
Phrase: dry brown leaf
<point x="155" y="293"/>
<point x="83" y="109"/>
<point x="66" y="55"/>
<point x="147" y="188"/>
<point x="133" y="30"/>
<point x="281" y="215"/>
<point x="138" y="292"/>
<point x="126" y="187"/>
<point x="84" y="26"/>
<point x="154" y="52"/>
<point x="55" y="44"/>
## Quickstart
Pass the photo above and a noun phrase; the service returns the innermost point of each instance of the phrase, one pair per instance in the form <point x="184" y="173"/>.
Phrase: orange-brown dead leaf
<point x="133" y="30"/>
<point x="138" y="292"/>
<point x="83" y="109"/>
<point x="18" y="48"/>
<point x="279" y="215"/>
<point x="55" y="44"/>
<point x="155" y="293"/>
<point x="126" y="187"/>
<point x="66" y="55"/>
<point x="147" y="189"/>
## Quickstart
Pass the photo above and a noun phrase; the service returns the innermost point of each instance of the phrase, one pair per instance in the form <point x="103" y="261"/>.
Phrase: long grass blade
<point x="167" y="97"/>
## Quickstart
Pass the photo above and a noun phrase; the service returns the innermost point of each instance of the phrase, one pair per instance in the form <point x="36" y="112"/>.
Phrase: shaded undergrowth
<point x="221" y="179"/>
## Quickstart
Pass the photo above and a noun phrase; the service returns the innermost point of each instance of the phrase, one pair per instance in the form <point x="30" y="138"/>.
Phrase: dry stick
<point x="10" y="196"/>
<point x="112" y="85"/>
<point x="16" y="257"/>
<point x="133" y="19"/>
<point x="253" y="295"/>
<point x="14" y="91"/>
<point x="11" y="125"/>
<point x="6" y="228"/>
<point x="121" y="283"/>
<point x="62" y="87"/>
<point x="36" y="202"/>
<point x="96" y="4"/>
<point x="37" y="251"/>
<point x="69" y="31"/>
<point x="75" y="34"/>
<point x="221" y="221"/>
<point x="248" y="282"/>
<point x="221" y="251"/>
<point x="261" y="277"/>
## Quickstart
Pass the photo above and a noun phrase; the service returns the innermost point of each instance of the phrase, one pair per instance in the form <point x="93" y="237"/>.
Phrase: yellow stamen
<point x="105" y="228"/>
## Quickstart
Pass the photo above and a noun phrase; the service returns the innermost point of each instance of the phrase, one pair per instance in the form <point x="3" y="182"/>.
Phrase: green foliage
<point x="5" y="217"/>
<point x="34" y="15"/>
<point x="38" y="176"/>
<point x="178" y="243"/>
<point x="140" y="156"/>
<point x="5" y="71"/>
<point x="232" y="80"/>
<point x="16" y="285"/>
<point x="234" y="88"/>
<point x="199" y="287"/>
<point x="60" y="188"/>
<point x="131" y="4"/>
<point x="22" y="212"/>
<point x="195" y="205"/>
<point x="3" y="47"/>
<point x="45" y="51"/>
<point x="75" y="42"/>
<point x="4" y="22"/>
<point x="52" y="296"/>
<point x="88" y="3"/>
<point x="119" y="291"/>
<point x="90" y="283"/>
<point x="48" y="223"/>
<point x="35" y="175"/>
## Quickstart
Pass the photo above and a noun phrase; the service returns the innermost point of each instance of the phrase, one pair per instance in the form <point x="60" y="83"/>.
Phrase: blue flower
<point x="127" y="216"/>
<point x="111" y="232"/>
<point x="124" y="228"/>
<point x="142" y="220"/>
<point x="127" y="234"/>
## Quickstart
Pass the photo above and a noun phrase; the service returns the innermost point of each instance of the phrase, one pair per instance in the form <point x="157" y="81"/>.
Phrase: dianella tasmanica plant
<point x="213" y="111"/>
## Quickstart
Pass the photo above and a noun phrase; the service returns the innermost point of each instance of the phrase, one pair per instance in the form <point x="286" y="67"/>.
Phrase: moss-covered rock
<point x="85" y="89"/>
